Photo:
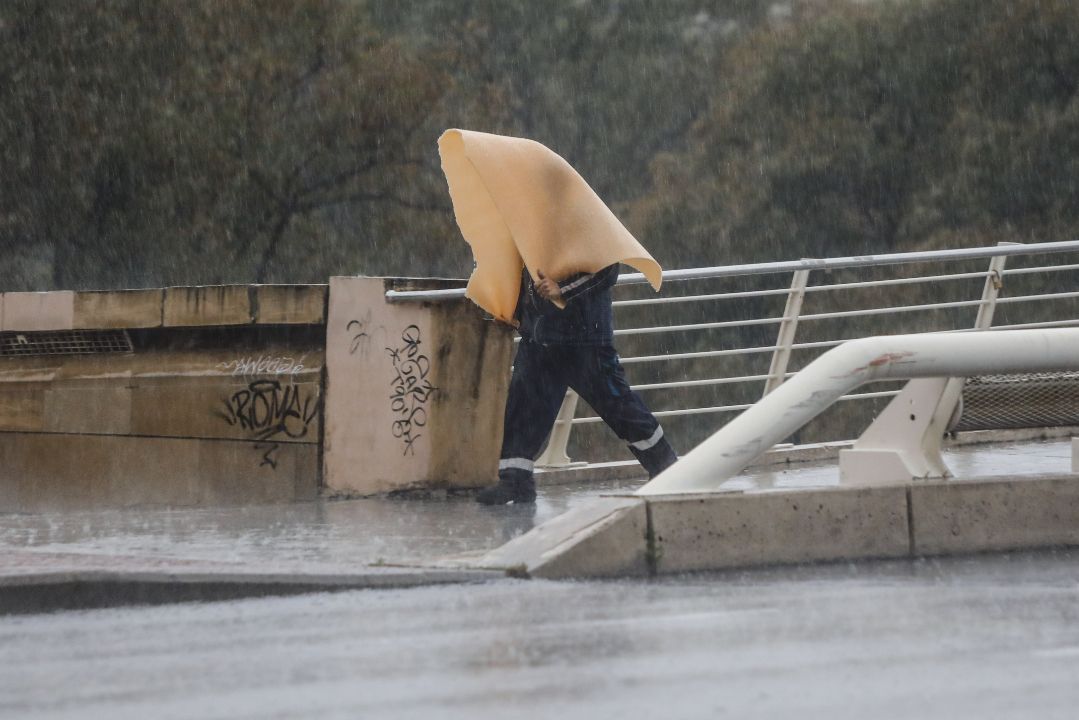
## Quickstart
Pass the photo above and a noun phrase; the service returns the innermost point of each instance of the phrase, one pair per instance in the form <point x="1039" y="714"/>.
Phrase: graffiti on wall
<point x="263" y="365"/>
<point x="411" y="388"/>
<point x="359" y="338"/>
<point x="269" y="411"/>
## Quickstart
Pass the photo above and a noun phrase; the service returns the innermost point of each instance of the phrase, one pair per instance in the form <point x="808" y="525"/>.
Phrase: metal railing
<point x="1042" y="283"/>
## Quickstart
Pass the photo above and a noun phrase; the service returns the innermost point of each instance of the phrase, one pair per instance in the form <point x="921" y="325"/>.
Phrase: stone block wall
<point x="245" y="394"/>
<point x="162" y="397"/>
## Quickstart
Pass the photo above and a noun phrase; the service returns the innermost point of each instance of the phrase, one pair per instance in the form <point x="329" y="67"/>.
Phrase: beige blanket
<point x="519" y="204"/>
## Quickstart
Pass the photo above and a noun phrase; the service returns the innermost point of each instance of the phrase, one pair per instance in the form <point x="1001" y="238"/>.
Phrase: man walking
<point x="567" y="338"/>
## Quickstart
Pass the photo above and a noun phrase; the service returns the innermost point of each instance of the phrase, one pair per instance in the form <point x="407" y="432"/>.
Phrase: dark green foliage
<point x="264" y="140"/>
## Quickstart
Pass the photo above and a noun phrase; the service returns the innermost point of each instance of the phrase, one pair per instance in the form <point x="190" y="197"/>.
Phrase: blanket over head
<point x="519" y="204"/>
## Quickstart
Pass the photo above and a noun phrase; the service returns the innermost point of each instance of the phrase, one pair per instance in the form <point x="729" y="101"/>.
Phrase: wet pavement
<point x="981" y="637"/>
<point x="986" y="637"/>
<point x="342" y="536"/>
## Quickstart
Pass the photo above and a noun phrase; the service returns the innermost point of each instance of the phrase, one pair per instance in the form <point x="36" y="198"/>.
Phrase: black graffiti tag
<point x="270" y="411"/>
<point x="411" y="389"/>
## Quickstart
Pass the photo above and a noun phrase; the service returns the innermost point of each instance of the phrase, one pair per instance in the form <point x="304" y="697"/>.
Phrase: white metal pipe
<point x="840" y="370"/>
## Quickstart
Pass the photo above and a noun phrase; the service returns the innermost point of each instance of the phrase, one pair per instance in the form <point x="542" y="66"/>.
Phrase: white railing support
<point x="854" y="363"/>
<point x="905" y="439"/>
<point x="787" y="329"/>
<point x="554" y="455"/>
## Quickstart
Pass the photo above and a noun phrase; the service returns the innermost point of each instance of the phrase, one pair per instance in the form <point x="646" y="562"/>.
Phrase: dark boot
<point x="514" y="486"/>
<point x="657" y="458"/>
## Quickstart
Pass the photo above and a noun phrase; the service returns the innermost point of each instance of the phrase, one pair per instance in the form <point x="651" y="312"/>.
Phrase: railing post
<point x="554" y="456"/>
<point x="910" y="429"/>
<point x="781" y="357"/>
<point x="951" y="399"/>
<point x="994" y="281"/>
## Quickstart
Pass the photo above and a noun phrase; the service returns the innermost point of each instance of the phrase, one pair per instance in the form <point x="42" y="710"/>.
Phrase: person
<point x="567" y="340"/>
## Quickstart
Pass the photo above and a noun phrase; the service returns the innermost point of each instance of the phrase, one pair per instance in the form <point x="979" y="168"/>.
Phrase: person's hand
<point x="548" y="288"/>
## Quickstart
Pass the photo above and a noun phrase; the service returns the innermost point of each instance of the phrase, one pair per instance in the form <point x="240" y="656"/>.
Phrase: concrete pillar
<point x="415" y="392"/>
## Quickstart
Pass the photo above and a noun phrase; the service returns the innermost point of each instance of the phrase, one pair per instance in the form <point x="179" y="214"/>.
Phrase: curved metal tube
<point x="843" y="368"/>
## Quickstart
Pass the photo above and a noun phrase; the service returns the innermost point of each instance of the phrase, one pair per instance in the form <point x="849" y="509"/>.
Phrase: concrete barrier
<point x="994" y="514"/>
<point x="161" y="397"/>
<point x="607" y="537"/>
<point x="415" y="391"/>
<point x="202" y="395"/>
<point x="718" y="531"/>
<point x="710" y="532"/>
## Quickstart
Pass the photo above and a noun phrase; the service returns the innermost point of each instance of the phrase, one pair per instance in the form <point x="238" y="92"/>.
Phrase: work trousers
<point x="541" y="374"/>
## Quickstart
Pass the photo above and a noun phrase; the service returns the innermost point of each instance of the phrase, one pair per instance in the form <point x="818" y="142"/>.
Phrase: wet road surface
<point x="983" y="637"/>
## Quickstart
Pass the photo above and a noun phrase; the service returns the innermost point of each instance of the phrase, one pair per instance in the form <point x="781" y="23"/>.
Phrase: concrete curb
<point x="614" y="536"/>
<point x="80" y="590"/>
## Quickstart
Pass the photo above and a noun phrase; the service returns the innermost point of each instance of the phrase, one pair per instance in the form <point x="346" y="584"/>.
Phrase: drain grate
<point x="64" y="342"/>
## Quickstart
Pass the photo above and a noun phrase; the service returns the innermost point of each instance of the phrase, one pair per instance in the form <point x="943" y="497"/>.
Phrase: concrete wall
<point x="415" y="391"/>
<point x="245" y="394"/>
<point x="218" y="401"/>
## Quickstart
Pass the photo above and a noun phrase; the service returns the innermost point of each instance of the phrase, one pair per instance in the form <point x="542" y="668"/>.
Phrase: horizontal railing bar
<point x="673" y="413"/>
<point x="889" y="310"/>
<point x="733" y="408"/>
<point x="1032" y="298"/>
<point x="857" y="261"/>
<point x="695" y="355"/>
<point x="696" y="383"/>
<point x="896" y="281"/>
<point x="700" y="298"/>
<point x="789" y="266"/>
<point x="1022" y="326"/>
<point x="870" y="395"/>
<point x="698" y="326"/>
<point x="1045" y="268"/>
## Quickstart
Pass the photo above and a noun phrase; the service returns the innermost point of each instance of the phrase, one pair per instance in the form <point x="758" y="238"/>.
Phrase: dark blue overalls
<point x="571" y="347"/>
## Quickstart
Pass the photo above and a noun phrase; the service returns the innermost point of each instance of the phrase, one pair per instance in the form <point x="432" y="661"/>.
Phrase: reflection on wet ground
<point x="331" y="535"/>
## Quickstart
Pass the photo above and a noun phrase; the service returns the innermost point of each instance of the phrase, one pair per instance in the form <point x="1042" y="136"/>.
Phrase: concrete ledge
<point x="35" y="311"/>
<point x="38" y="593"/>
<point x="719" y="531"/>
<point x="290" y="304"/>
<point x="210" y="305"/>
<point x="118" y="309"/>
<point x="605" y="537"/>
<point x="995" y="514"/>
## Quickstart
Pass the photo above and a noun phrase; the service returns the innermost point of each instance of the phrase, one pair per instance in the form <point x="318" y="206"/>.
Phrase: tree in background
<point x="288" y="140"/>
<point x="878" y="127"/>
<point x="155" y="143"/>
